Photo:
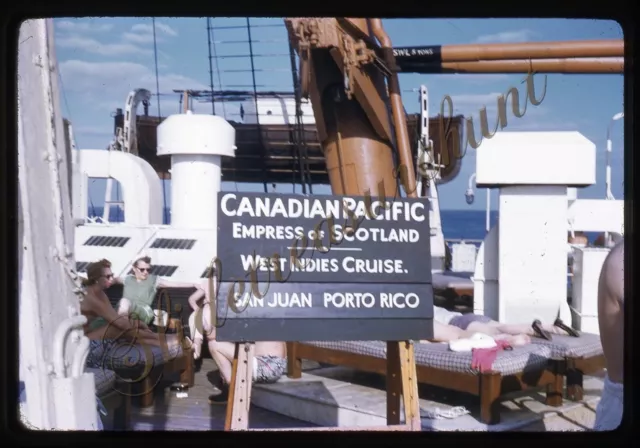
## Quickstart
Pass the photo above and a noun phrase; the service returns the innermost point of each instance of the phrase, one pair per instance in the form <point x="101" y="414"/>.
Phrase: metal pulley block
<point x="349" y="62"/>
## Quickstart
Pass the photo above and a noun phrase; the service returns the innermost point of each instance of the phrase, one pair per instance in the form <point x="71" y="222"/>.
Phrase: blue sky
<point x="102" y="59"/>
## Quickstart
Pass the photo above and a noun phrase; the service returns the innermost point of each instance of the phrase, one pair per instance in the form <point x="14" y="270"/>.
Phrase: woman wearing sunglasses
<point x="140" y="291"/>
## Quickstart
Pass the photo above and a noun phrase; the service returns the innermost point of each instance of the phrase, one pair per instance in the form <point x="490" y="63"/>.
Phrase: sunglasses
<point x="143" y="269"/>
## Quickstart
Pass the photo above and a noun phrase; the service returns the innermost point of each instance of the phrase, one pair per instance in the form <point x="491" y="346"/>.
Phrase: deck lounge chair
<point x="181" y="361"/>
<point x="115" y="398"/>
<point x="144" y="366"/>
<point x="519" y="369"/>
<point x="575" y="357"/>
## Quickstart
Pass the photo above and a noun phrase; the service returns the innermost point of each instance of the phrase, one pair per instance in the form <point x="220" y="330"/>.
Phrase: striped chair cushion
<point x="520" y="359"/>
<point x="104" y="379"/>
<point x="586" y="346"/>
<point x="121" y="357"/>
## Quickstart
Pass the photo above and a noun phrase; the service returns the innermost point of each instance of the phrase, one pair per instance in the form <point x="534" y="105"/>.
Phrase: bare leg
<point x="493" y="328"/>
<point x="513" y="339"/>
<point x="222" y="353"/>
<point x="197" y="336"/>
<point x="446" y="333"/>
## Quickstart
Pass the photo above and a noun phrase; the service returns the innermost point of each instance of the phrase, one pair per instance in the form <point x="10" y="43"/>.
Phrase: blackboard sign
<point x="324" y="300"/>
<point x="323" y="239"/>
<point x="296" y="268"/>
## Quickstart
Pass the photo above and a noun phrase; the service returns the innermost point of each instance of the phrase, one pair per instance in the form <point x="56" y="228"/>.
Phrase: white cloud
<point x="160" y="28"/>
<point x="93" y="46"/>
<point x="91" y="80"/>
<point x="138" y="38"/>
<point x="142" y="33"/>
<point x="84" y="76"/>
<point x="82" y="26"/>
<point x="507" y="36"/>
<point x="134" y="42"/>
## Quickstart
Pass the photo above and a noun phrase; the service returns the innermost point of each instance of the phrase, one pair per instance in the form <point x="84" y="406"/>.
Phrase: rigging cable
<point x="213" y="102"/>
<point x="165" y="219"/>
<point x="295" y="150"/>
<point x="255" y="99"/>
<point x="215" y="56"/>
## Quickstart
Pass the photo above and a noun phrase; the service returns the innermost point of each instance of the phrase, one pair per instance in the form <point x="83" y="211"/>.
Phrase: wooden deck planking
<point x="194" y="413"/>
<point x="526" y="412"/>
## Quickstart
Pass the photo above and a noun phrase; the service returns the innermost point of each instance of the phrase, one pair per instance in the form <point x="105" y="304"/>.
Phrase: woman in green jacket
<point x="140" y="291"/>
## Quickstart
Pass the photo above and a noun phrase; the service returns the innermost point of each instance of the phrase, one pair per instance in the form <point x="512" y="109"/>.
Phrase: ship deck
<point x="335" y="396"/>
<point x="194" y="413"/>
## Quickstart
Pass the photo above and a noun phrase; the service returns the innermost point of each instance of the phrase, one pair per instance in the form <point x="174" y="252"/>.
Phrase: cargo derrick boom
<point x="344" y="63"/>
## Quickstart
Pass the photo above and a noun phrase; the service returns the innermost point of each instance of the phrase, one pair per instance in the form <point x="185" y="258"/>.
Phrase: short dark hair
<point x="146" y="259"/>
<point x="94" y="271"/>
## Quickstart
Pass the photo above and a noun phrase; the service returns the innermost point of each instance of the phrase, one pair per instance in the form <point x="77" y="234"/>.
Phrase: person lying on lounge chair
<point x="450" y="325"/>
<point x="140" y="291"/>
<point x="104" y="326"/>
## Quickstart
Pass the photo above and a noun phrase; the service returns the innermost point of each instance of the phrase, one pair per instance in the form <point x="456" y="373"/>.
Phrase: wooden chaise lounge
<point x="575" y="357"/>
<point x="143" y="367"/>
<point x="144" y="374"/>
<point x="518" y="369"/>
<point x="115" y="397"/>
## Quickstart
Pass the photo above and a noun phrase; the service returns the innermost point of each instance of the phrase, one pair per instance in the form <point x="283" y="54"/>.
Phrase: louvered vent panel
<point x="172" y="243"/>
<point x="81" y="266"/>
<point x="107" y="241"/>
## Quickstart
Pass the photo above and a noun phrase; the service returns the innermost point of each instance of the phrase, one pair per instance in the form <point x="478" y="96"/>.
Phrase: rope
<point x="296" y="150"/>
<point x="215" y="56"/>
<point x="155" y="57"/>
<point x="439" y="414"/>
<point x="255" y="99"/>
<point x="213" y="102"/>
<point x="165" y="219"/>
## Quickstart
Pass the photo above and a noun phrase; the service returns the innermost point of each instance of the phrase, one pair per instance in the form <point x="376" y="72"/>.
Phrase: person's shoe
<point x="221" y="398"/>
<point x="539" y="331"/>
<point x="570" y="331"/>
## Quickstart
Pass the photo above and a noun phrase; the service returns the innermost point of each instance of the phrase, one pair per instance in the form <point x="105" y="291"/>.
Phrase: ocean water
<point x="457" y="224"/>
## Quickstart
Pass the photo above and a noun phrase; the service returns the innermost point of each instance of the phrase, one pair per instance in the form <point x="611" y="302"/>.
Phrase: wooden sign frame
<point x="402" y="389"/>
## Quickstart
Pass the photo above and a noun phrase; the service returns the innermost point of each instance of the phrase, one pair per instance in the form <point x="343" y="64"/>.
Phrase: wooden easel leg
<point x="394" y="383"/>
<point x="237" y="417"/>
<point x="294" y="364"/>
<point x="402" y="381"/>
<point x="409" y="385"/>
